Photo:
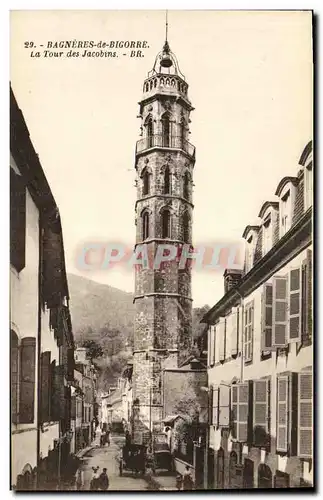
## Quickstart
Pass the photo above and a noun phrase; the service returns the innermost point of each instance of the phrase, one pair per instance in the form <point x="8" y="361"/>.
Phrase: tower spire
<point x="166" y="25"/>
<point x="166" y="48"/>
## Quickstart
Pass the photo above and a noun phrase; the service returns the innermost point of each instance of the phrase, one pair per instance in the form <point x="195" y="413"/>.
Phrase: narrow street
<point x="106" y="456"/>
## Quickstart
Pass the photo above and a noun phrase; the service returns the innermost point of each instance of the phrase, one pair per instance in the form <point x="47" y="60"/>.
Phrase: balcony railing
<point x="162" y="141"/>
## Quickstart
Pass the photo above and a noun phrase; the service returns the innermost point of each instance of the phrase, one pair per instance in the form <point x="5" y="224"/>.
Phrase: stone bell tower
<point x="164" y="167"/>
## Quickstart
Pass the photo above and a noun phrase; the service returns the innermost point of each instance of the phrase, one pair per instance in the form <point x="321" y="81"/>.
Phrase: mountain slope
<point x="94" y="305"/>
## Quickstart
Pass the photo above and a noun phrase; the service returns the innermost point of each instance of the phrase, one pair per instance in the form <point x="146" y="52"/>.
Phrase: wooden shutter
<point x="58" y="392"/>
<point x="283" y="409"/>
<point x="261" y="406"/>
<point x="27" y="380"/>
<point x="305" y="405"/>
<point x="248" y="332"/>
<point x="212" y="336"/>
<point x="309" y="293"/>
<point x="215" y="406"/>
<point x="70" y="364"/>
<point x="14" y="361"/>
<point x="267" y="317"/>
<point x="234" y="332"/>
<point x="73" y="407"/>
<point x="295" y="303"/>
<point x="234" y="410"/>
<point x="279" y="311"/>
<point x="17" y="221"/>
<point x="45" y="387"/>
<point x="240" y="411"/>
<point x="224" y="405"/>
<point x="221" y="337"/>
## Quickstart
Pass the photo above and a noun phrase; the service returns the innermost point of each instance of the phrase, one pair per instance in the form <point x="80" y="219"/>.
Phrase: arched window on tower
<point x="166" y="224"/>
<point x="145" y="225"/>
<point x="182" y="132"/>
<point x="149" y="131"/>
<point x="167" y="181"/>
<point x="166" y="130"/>
<point x="146" y="183"/>
<point x="186" y="227"/>
<point x="186" y="185"/>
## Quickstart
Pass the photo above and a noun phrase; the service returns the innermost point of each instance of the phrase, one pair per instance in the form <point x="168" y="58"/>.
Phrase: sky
<point x="250" y="82"/>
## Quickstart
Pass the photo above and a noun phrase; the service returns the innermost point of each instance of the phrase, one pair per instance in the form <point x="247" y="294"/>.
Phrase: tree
<point x="93" y="349"/>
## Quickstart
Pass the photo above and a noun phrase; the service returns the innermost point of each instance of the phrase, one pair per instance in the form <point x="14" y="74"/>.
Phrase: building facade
<point x="260" y="350"/>
<point x="41" y="342"/>
<point x="164" y="165"/>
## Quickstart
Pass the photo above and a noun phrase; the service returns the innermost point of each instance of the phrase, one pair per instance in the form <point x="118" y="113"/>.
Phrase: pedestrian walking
<point x="107" y="437"/>
<point x="187" y="479"/>
<point x="99" y="434"/>
<point x="79" y="480"/>
<point x="103" y="480"/>
<point x="179" y="481"/>
<point x="94" y="484"/>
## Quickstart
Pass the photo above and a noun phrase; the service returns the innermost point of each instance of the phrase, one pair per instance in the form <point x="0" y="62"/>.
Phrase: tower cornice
<point x="166" y="95"/>
<point x="165" y="197"/>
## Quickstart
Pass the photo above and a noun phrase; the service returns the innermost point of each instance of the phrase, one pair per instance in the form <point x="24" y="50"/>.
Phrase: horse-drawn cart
<point x="133" y="458"/>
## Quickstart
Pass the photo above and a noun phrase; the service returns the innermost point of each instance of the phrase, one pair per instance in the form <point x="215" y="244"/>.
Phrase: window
<point x="166" y="224"/>
<point x="146" y="183"/>
<point x="182" y="132"/>
<point x="248" y="331"/>
<point x="305" y="407"/>
<point x="45" y="386"/>
<point x="14" y="363"/>
<point x="145" y="225"/>
<point x="280" y="311"/>
<point x="224" y="405"/>
<point x="17" y="221"/>
<point x="222" y="339"/>
<point x="166" y="130"/>
<point x="240" y="411"/>
<point x="167" y="181"/>
<point x="286" y="213"/>
<point x="215" y="406"/>
<point x="234" y="332"/>
<point x="261" y="409"/>
<point x="149" y="132"/>
<point x="186" y="227"/>
<point x="308" y="186"/>
<point x="186" y="185"/>
<point x="266" y="318"/>
<point x="267" y="234"/>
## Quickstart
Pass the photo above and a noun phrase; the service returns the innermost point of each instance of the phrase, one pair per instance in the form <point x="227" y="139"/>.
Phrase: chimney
<point x="232" y="278"/>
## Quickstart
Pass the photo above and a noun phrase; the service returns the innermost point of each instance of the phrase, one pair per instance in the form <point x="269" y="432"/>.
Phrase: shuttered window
<point x="224" y="405"/>
<point x="267" y="317"/>
<point x="283" y="413"/>
<point x="14" y="364"/>
<point x="261" y="410"/>
<point x="240" y="411"/>
<point x="294" y="309"/>
<point x="215" y="406"/>
<point x="305" y="406"/>
<point x="70" y="364"/>
<point x="306" y="318"/>
<point x="45" y="386"/>
<point x="17" y="221"/>
<point x="234" y="332"/>
<point x="248" y="331"/>
<point x="27" y="380"/>
<point x="58" y="392"/>
<point x="279" y="311"/>
<point x="221" y="329"/>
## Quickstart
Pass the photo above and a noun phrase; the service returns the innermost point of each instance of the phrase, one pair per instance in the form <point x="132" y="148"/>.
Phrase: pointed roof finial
<point x="166" y="48"/>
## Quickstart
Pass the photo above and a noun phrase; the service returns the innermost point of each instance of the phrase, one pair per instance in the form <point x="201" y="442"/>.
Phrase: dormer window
<point x="285" y="217"/>
<point x="267" y="234"/>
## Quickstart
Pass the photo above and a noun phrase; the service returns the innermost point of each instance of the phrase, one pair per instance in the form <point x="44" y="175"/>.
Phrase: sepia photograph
<point x="161" y="253"/>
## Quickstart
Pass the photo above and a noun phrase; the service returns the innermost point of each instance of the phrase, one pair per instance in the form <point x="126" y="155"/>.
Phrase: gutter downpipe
<point x="242" y="336"/>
